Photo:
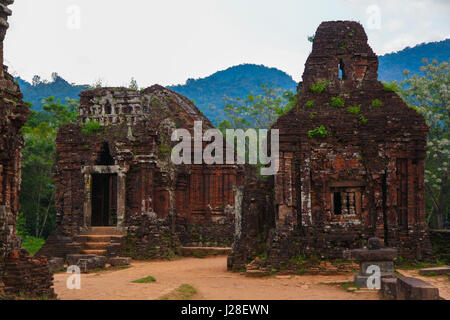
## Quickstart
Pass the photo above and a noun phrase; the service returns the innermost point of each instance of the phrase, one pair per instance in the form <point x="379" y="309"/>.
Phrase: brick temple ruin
<point x="19" y="273"/>
<point x="117" y="191"/>
<point x="351" y="164"/>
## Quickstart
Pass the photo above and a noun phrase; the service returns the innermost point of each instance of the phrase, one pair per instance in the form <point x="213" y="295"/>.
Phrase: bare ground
<point x="211" y="279"/>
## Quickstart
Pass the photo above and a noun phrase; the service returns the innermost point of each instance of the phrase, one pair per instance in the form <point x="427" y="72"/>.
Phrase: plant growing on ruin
<point x="312" y="115"/>
<point x="337" y="102"/>
<point x="355" y="110"/>
<point x="363" y="119"/>
<point x="310" y="103"/>
<point x="391" y="86"/>
<point x="90" y="128"/>
<point x="319" y="87"/>
<point x="319" y="132"/>
<point x="428" y="94"/>
<point x="133" y="84"/>
<point x="377" y="103"/>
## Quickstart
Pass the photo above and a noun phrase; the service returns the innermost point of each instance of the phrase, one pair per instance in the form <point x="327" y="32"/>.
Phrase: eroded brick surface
<point x="364" y="178"/>
<point x="158" y="205"/>
<point x="19" y="273"/>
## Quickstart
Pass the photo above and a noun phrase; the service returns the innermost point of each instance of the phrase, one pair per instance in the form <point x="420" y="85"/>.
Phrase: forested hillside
<point x="239" y="81"/>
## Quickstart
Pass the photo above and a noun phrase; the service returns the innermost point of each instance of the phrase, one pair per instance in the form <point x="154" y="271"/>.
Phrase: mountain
<point x="233" y="82"/>
<point x="392" y="65"/>
<point x="39" y="90"/>
<point x="239" y="81"/>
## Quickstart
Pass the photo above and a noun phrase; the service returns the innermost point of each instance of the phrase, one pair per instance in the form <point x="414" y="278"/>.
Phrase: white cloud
<point x="169" y="41"/>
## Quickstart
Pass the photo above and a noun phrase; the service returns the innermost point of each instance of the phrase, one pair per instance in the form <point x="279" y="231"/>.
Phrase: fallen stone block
<point x="389" y="288"/>
<point x="415" y="289"/>
<point x="434" y="271"/>
<point x="72" y="259"/>
<point x="86" y="262"/>
<point x="87" y="265"/>
<point x="119" y="261"/>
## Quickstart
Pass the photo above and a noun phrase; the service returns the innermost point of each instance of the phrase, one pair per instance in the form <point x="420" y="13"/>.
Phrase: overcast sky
<point x="169" y="41"/>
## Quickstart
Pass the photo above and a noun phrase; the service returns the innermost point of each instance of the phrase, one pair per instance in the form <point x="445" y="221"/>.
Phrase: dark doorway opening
<point x="104" y="200"/>
<point x="337" y="203"/>
<point x="105" y="158"/>
<point x="341" y="70"/>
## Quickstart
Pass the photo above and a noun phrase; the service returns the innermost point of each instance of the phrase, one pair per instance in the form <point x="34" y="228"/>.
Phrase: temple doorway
<point x="104" y="200"/>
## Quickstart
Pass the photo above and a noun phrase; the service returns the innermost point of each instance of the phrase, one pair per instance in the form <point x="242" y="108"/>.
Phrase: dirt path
<point x="211" y="279"/>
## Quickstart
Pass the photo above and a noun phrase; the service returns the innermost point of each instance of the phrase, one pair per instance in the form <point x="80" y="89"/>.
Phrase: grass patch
<point x="148" y="279"/>
<point x="431" y="274"/>
<point x="32" y="244"/>
<point x="183" y="292"/>
<point x="414" y="265"/>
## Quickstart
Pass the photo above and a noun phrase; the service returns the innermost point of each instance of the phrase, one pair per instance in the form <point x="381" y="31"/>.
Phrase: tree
<point x="133" y="84"/>
<point x="37" y="196"/>
<point x="428" y="94"/>
<point x="257" y="112"/>
<point x="36" y="80"/>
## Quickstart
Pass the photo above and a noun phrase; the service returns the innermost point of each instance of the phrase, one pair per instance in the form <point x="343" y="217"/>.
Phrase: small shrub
<point x="32" y="244"/>
<point x="91" y="127"/>
<point x="312" y="115"/>
<point x="319" y="132"/>
<point x="391" y="86"/>
<point x="310" y="103"/>
<point x="363" y="119"/>
<point x="354" y="109"/>
<point x="319" y="87"/>
<point x="377" y="103"/>
<point x="337" y="102"/>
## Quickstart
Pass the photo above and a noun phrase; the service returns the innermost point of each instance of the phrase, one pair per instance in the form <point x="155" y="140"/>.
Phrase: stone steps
<point x="97" y="240"/>
<point x="103" y="231"/>
<point x="94" y="252"/>
<point x="95" y="245"/>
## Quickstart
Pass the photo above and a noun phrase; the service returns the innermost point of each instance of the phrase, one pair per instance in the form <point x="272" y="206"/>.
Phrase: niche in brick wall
<point x="346" y="198"/>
